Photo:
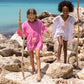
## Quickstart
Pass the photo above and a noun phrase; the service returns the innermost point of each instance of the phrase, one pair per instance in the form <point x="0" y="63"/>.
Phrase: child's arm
<point x="49" y="33"/>
<point x="51" y="36"/>
<point x="77" y="22"/>
<point x="49" y="24"/>
<point x="20" y="31"/>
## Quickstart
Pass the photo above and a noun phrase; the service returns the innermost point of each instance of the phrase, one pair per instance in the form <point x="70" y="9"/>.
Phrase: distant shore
<point x="7" y="34"/>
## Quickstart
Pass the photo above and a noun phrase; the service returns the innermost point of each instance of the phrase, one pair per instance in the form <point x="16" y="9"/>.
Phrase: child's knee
<point x="60" y="44"/>
<point x="37" y="57"/>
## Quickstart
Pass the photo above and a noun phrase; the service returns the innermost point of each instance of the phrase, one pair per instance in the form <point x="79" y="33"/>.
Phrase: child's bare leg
<point x="59" y="47"/>
<point x="65" y="50"/>
<point x="32" y="61"/>
<point x="38" y="65"/>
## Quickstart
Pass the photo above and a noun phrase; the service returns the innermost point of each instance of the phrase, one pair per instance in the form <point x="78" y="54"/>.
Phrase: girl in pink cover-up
<point x="33" y="30"/>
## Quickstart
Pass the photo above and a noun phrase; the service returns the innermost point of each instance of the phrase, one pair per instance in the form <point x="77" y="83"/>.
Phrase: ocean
<point x="9" y="10"/>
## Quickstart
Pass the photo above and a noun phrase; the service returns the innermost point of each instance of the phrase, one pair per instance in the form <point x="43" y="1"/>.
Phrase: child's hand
<point x="51" y="37"/>
<point x="79" y="21"/>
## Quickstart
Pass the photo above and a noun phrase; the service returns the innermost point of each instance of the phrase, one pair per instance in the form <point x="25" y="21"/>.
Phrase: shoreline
<point x="8" y="35"/>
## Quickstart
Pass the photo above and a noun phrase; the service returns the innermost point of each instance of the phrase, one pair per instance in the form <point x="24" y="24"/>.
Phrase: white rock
<point x="56" y="70"/>
<point x="29" y="79"/>
<point x="81" y="74"/>
<point x="17" y="38"/>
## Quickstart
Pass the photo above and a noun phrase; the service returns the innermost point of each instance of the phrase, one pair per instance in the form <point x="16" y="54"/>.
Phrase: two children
<point x="33" y="29"/>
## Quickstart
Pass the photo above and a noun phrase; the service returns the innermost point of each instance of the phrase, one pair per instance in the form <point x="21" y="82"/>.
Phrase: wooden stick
<point x="22" y="46"/>
<point x="78" y="33"/>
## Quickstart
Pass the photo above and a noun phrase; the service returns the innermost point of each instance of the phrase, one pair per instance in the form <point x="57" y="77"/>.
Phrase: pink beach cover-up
<point x="33" y="32"/>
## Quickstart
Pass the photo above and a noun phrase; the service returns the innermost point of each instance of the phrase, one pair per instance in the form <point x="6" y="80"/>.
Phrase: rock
<point x="44" y="48"/>
<point x="17" y="38"/>
<point x="69" y="81"/>
<point x="50" y="46"/>
<point x="2" y="79"/>
<point x="6" y="52"/>
<point x="56" y="46"/>
<point x="81" y="57"/>
<point x="81" y="10"/>
<point x="12" y="44"/>
<point x="44" y="66"/>
<point x="54" y="15"/>
<point x="2" y="47"/>
<point x="80" y="64"/>
<point x="13" y="65"/>
<point x="48" y="53"/>
<point x="43" y="15"/>
<point x="2" y="37"/>
<point x="81" y="74"/>
<point x="81" y="32"/>
<point x="46" y="37"/>
<point x="48" y="59"/>
<point x="72" y="60"/>
<point x="81" y="42"/>
<point x="57" y="70"/>
<point x="29" y="79"/>
<point x="47" y="20"/>
<point x="75" y="81"/>
<point x="9" y="52"/>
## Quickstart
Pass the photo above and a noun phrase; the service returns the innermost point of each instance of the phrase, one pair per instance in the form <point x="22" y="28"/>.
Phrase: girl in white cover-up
<point x="63" y="27"/>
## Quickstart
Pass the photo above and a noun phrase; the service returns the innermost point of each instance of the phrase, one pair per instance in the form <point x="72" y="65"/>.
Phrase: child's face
<point x="31" y="17"/>
<point x="65" y="10"/>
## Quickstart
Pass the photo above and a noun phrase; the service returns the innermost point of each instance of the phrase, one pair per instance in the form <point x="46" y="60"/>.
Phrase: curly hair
<point x="67" y="4"/>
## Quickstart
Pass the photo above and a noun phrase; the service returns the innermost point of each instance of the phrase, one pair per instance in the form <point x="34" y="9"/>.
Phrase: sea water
<point x="9" y="11"/>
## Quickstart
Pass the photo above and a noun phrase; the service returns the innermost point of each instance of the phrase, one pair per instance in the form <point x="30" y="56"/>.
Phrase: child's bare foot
<point x="33" y="72"/>
<point x="38" y="78"/>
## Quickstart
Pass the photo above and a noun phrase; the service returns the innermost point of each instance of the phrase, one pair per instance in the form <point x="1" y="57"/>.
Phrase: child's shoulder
<point x="39" y="21"/>
<point x="71" y="16"/>
<point x="57" y="17"/>
<point x="25" y="22"/>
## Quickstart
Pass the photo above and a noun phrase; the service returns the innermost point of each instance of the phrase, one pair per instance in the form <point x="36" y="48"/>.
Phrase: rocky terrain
<point x="51" y="71"/>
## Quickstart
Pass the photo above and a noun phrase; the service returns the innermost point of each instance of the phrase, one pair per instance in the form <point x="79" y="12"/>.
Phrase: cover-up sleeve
<point x="23" y="29"/>
<point x="44" y="28"/>
<point x="55" y="20"/>
<point x="73" y="20"/>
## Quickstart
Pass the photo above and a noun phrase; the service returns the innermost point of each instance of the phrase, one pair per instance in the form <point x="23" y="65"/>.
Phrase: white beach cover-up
<point x="65" y="31"/>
